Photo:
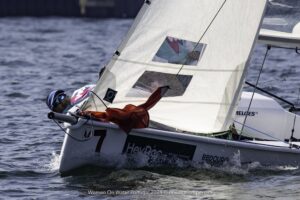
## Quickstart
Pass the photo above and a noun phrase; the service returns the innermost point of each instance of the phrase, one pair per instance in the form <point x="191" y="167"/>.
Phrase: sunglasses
<point x="59" y="99"/>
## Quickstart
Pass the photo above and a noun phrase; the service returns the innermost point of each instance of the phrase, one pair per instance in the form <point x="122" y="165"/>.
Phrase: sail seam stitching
<point x="153" y="65"/>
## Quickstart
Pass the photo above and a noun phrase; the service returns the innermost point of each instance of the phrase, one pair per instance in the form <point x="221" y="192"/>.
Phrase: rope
<point x="99" y="98"/>
<point x="258" y="131"/>
<point x="203" y="34"/>
<point x="88" y="118"/>
<point x="262" y="66"/>
<point x="294" y="123"/>
<point x="74" y="138"/>
<point x="270" y="94"/>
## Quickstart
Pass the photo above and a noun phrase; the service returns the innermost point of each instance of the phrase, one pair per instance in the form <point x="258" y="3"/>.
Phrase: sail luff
<point x="134" y="25"/>
<point x="91" y="102"/>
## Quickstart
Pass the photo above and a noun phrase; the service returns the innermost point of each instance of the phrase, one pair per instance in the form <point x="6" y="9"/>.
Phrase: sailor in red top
<point x="130" y="116"/>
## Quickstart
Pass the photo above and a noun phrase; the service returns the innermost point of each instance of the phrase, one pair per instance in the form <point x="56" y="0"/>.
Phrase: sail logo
<point x="110" y="95"/>
<point x="246" y="113"/>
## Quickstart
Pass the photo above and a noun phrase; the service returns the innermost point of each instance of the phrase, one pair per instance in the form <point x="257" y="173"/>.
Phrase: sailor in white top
<point x="59" y="101"/>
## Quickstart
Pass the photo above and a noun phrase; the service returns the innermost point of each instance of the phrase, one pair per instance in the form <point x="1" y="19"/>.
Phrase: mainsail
<point x="199" y="48"/>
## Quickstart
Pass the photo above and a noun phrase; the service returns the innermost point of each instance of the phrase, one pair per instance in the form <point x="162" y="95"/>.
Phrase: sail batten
<point x="208" y="41"/>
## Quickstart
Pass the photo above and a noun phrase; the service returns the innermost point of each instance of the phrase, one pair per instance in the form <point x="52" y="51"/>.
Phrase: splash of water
<point x="141" y="160"/>
<point x="53" y="165"/>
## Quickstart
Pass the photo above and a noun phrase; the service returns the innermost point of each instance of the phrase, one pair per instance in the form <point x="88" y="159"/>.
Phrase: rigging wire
<point x="203" y="34"/>
<point x="294" y="123"/>
<point x="260" y="132"/>
<point x="99" y="98"/>
<point x="270" y="94"/>
<point x="92" y="124"/>
<point x="254" y="90"/>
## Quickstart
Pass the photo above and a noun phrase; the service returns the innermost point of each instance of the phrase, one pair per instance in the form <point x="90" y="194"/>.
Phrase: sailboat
<point x="267" y="119"/>
<point x="211" y="41"/>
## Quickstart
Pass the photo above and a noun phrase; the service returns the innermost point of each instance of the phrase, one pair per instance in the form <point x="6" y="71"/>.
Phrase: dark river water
<point x="39" y="55"/>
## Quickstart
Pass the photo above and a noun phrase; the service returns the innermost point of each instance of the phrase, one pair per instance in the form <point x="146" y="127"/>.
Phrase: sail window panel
<point x="146" y="47"/>
<point x="149" y="81"/>
<point x="179" y="51"/>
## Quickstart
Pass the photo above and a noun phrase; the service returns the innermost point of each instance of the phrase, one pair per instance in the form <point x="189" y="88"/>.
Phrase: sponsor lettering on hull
<point x="246" y="113"/>
<point x="158" y="151"/>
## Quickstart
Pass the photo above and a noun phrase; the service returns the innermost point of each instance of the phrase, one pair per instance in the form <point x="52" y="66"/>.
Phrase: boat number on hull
<point x="214" y="160"/>
<point x="101" y="134"/>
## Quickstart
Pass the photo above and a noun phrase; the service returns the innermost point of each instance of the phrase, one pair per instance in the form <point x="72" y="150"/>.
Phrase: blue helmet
<point x="54" y="98"/>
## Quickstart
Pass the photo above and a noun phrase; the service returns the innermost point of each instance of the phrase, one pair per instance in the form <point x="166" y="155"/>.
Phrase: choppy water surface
<point x="38" y="55"/>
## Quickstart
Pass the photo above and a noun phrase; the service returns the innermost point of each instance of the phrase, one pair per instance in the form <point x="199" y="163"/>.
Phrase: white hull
<point x="106" y="145"/>
<point x="266" y="119"/>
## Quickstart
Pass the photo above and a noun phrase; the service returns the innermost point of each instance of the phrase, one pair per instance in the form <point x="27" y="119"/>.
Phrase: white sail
<point x="219" y="33"/>
<point x="280" y="39"/>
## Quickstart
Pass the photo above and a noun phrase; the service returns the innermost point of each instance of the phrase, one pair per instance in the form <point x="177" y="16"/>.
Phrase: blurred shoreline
<point x="70" y="8"/>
